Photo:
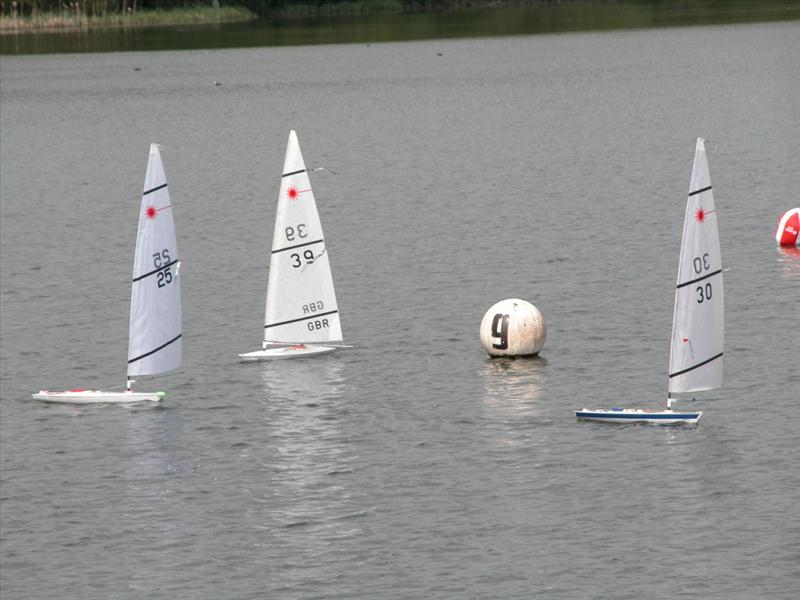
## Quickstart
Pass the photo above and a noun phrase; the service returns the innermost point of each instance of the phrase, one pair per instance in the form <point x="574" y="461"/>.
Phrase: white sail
<point x="154" y="343"/>
<point x="695" y="358"/>
<point x="301" y="303"/>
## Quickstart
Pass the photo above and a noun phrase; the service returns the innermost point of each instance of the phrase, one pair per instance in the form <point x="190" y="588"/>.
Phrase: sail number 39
<point x="297" y="260"/>
<point x="292" y="233"/>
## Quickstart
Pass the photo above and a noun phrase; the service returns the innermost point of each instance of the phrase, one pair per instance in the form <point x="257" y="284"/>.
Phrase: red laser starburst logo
<point x="151" y="212"/>
<point x="292" y="193"/>
<point x="700" y="215"/>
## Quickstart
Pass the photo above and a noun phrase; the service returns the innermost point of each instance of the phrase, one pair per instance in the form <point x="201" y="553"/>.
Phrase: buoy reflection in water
<point x="513" y="386"/>
<point x="789" y="257"/>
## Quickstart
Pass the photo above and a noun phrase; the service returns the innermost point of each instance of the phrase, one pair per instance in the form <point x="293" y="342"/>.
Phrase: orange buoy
<point x="788" y="232"/>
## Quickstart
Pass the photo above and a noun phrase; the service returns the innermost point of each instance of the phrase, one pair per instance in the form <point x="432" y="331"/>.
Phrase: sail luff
<point x="154" y="341"/>
<point x="697" y="327"/>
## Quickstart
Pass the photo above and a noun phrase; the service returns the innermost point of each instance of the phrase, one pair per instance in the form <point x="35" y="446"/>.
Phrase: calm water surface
<point x="459" y="172"/>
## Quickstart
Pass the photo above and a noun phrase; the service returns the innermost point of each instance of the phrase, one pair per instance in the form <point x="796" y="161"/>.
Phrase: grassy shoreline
<point x="337" y="9"/>
<point x="73" y="16"/>
<point x="77" y="16"/>
<point x="69" y="20"/>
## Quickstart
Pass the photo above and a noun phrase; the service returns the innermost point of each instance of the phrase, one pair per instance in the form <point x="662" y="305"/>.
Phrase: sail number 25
<point x="164" y="276"/>
<point x="700" y="264"/>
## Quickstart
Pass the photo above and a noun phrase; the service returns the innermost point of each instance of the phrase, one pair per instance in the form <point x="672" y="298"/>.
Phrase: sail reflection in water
<point x="155" y="508"/>
<point x="311" y="454"/>
<point x="304" y="382"/>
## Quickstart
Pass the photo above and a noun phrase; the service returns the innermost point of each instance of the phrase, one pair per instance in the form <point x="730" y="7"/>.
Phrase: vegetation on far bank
<point x="47" y="15"/>
<point x="43" y="15"/>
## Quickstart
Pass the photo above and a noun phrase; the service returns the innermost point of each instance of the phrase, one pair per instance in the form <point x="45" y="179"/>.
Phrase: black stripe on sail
<point x="330" y="312"/>
<point x="155" y="189"/>
<point x="293" y="173"/>
<point x="297" y="246"/>
<point x="161" y="347"/>
<point x="169" y="264"/>
<point x="700" y="191"/>
<point x="680" y="285"/>
<point x="697" y="366"/>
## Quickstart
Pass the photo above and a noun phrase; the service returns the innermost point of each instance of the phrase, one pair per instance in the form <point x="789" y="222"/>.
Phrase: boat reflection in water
<point x="304" y="411"/>
<point x="155" y="505"/>
<point x="311" y="480"/>
<point x="303" y="382"/>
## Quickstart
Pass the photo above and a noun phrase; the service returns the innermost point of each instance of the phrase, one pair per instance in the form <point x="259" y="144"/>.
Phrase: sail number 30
<point x="700" y="264"/>
<point x="703" y="292"/>
<point x="164" y="276"/>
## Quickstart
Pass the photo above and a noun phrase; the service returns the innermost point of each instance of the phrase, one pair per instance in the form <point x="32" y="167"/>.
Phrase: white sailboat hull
<point x="637" y="415"/>
<point x="98" y="397"/>
<point x="301" y="317"/>
<point x="282" y="352"/>
<point x="154" y="338"/>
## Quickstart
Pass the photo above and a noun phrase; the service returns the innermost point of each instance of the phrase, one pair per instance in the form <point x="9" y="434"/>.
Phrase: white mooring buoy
<point x="513" y="327"/>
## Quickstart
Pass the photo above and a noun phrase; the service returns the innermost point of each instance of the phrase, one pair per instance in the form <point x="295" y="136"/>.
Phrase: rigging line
<point x="680" y="285"/>
<point x="161" y="347"/>
<point x="700" y="191"/>
<point x="169" y="264"/>
<point x="297" y="246"/>
<point x="318" y="169"/>
<point x="311" y="262"/>
<point x="314" y="316"/>
<point x="155" y="189"/>
<point x="705" y="362"/>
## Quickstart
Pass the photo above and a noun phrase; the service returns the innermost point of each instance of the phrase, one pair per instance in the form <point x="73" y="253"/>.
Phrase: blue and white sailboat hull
<point x="635" y="415"/>
<point x="696" y="348"/>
